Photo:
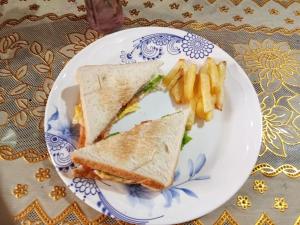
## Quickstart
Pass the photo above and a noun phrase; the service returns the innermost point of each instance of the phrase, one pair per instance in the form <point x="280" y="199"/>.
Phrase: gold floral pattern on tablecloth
<point x="264" y="219"/>
<point x="273" y="11"/>
<point x="19" y="84"/>
<point x="8" y="47"/>
<point x="57" y="192"/>
<point x="20" y="190"/>
<point x="29" y="95"/>
<point x="297" y="221"/>
<point x="224" y="9"/>
<point x="30" y="155"/>
<point x="269" y="171"/>
<point x="42" y="174"/>
<point x="198" y="7"/>
<point x="278" y="131"/>
<point x="260" y="186"/>
<point x="174" y="5"/>
<point x="243" y="201"/>
<point x="248" y="10"/>
<point x="280" y="204"/>
<point x="79" y="41"/>
<point x="73" y="211"/>
<point x="274" y="66"/>
<point x="226" y="218"/>
<point x="237" y="18"/>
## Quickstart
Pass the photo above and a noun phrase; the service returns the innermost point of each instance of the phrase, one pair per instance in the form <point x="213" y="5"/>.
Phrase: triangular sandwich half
<point x="147" y="154"/>
<point x="106" y="89"/>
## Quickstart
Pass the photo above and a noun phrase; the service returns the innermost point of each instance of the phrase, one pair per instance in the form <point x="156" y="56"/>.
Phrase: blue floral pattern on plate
<point x="195" y="46"/>
<point x="153" y="46"/>
<point x="138" y="194"/>
<point x="174" y="191"/>
<point x="88" y="187"/>
<point x="60" y="140"/>
<point x="85" y="186"/>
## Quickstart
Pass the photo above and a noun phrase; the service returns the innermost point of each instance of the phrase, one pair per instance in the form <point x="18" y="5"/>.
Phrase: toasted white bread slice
<point x="105" y="89"/>
<point x="147" y="154"/>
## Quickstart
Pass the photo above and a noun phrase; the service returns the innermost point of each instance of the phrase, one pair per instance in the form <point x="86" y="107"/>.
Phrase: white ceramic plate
<point x="211" y="168"/>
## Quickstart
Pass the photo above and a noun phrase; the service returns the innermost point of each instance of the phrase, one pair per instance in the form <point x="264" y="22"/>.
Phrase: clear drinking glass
<point x="104" y="16"/>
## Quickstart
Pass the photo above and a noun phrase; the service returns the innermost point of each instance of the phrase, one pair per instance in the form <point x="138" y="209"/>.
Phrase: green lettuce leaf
<point x="152" y="85"/>
<point x="186" y="139"/>
<point x="112" y="134"/>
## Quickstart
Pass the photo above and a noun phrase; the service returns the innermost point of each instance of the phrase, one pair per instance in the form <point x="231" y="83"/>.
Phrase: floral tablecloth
<point x="38" y="37"/>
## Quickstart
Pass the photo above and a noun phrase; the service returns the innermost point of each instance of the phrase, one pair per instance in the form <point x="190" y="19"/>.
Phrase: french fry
<point x="214" y="75"/>
<point x="176" y="77"/>
<point x="191" y="118"/>
<point x="222" y="70"/>
<point x="189" y="81"/>
<point x="181" y="85"/>
<point x="204" y="67"/>
<point x="173" y="72"/>
<point x="214" y="99"/>
<point x="206" y="92"/>
<point x="220" y="94"/>
<point x="199" y="109"/>
<point x="208" y="116"/>
<point x="193" y="104"/>
<point x="197" y="87"/>
<point x="176" y="93"/>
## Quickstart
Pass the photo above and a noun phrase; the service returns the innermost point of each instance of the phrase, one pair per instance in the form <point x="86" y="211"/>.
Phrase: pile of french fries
<point x="202" y="89"/>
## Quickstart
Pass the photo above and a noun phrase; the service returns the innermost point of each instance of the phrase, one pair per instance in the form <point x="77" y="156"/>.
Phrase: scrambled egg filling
<point x="130" y="108"/>
<point x="78" y="114"/>
<point x="106" y="176"/>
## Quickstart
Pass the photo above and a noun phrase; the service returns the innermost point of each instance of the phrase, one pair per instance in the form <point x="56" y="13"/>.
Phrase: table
<point x="37" y="38"/>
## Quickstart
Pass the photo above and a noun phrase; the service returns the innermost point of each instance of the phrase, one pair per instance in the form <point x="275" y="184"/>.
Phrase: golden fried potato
<point x="208" y="116"/>
<point x="206" y="92"/>
<point x="199" y="109"/>
<point x="197" y="87"/>
<point x="176" y="92"/>
<point x="171" y="75"/>
<point x="183" y="100"/>
<point x="204" y="67"/>
<point x="177" y="76"/>
<point x="189" y="81"/>
<point x="191" y="118"/>
<point x="220" y="94"/>
<point x="214" y="75"/>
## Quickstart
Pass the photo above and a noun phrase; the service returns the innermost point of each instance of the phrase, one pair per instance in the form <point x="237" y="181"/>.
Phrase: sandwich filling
<point x="84" y="171"/>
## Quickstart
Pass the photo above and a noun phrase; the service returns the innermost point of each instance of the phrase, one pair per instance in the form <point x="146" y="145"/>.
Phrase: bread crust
<point x="136" y="178"/>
